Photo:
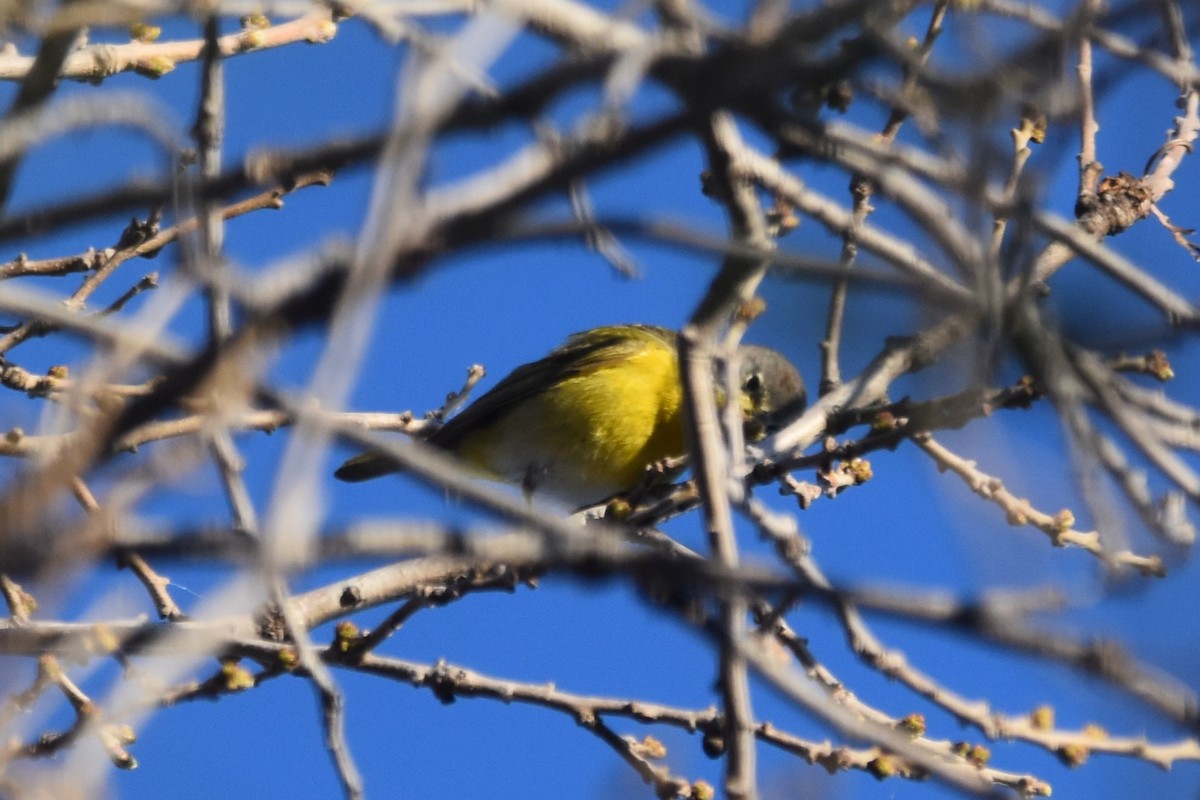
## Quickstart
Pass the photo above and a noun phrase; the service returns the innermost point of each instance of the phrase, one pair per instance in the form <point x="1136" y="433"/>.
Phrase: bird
<point x="583" y="423"/>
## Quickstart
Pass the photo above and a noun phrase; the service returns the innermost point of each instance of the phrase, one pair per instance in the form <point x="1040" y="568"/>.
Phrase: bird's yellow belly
<point x="590" y="436"/>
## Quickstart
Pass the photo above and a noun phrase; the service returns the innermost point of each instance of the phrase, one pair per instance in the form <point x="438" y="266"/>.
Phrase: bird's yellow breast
<point x="590" y="435"/>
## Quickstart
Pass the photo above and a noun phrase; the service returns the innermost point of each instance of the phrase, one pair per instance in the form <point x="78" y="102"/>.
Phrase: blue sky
<point x="909" y="526"/>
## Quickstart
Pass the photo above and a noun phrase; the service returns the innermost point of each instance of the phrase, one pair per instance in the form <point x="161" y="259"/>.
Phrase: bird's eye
<point x="753" y="383"/>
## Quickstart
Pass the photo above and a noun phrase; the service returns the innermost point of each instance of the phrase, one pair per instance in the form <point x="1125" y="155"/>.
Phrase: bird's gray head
<point x="772" y="390"/>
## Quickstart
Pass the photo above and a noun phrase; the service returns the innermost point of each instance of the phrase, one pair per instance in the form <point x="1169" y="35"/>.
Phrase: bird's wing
<point x="582" y="353"/>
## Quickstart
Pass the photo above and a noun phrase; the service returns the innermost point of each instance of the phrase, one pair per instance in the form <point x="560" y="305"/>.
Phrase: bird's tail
<point x="365" y="466"/>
